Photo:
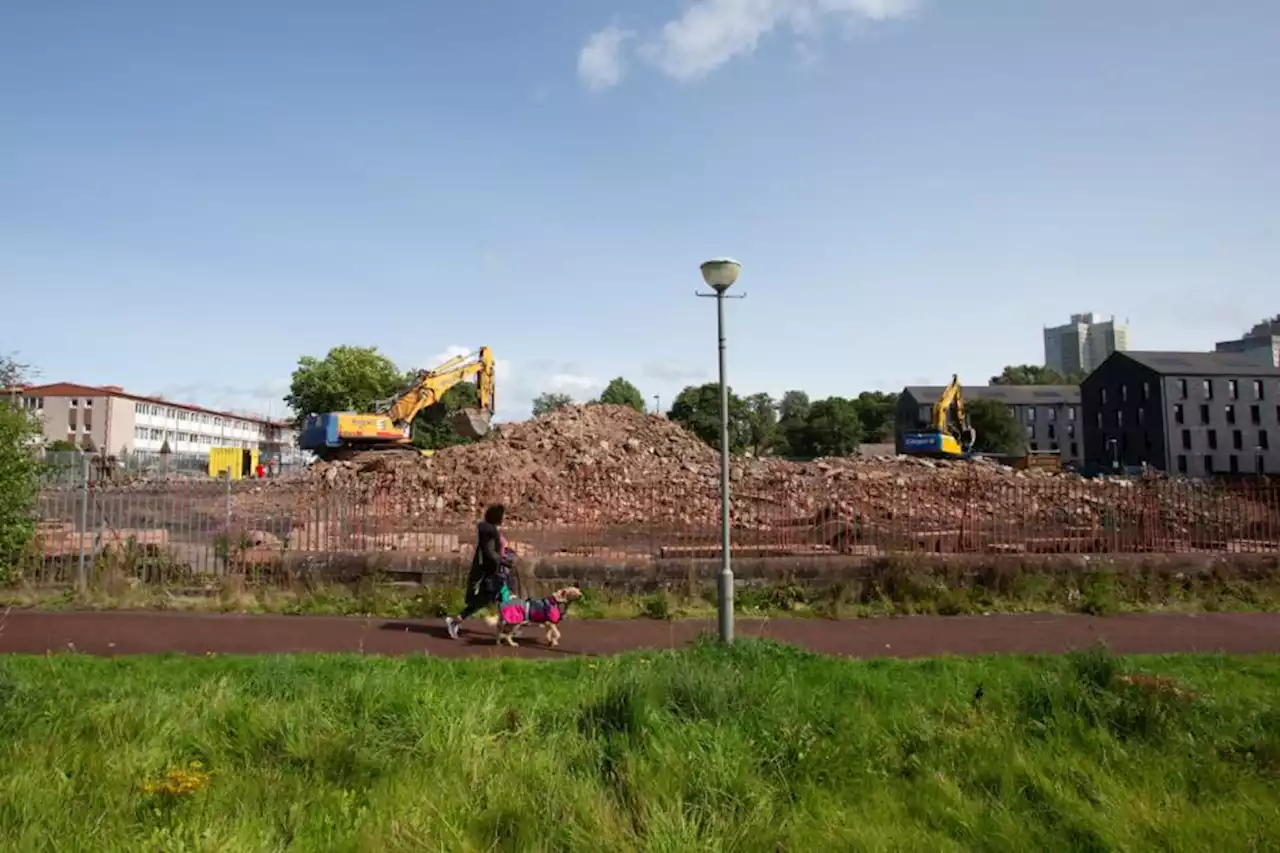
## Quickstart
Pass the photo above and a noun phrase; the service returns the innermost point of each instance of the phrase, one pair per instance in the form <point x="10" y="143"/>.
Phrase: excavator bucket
<point x="471" y="423"/>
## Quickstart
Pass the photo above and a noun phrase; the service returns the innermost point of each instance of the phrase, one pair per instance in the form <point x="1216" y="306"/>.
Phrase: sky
<point x="194" y="195"/>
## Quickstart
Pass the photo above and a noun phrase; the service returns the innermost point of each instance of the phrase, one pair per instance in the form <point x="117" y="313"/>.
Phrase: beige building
<point x="1261" y="342"/>
<point x="110" y="419"/>
<point x="1083" y="344"/>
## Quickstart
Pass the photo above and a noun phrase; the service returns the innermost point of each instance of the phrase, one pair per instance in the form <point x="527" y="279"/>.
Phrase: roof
<point x="1201" y="363"/>
<point x="1013" y="395"/>
<point x="74" y="389"/>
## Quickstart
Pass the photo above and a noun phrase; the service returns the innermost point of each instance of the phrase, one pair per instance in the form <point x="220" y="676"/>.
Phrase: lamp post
<point x="720" y="274"/>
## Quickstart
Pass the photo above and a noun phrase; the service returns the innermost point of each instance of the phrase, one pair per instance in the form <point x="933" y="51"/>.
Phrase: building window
<point x="1031" y="414"/>
<point x="1124" y="393"/>
<point x="1071" y="413"/>
<point x="1071" y="430"/>
<point x="1142" y="416"/>
<point x="89" y="402"/>
<point x="1182" y="389"/>
<point x="1255" y="414"/>
<point x="1258" y="391"/>
<point x="71" y="419"/>
<point x="1075" y="449"/>
<point x="1261" y="465"/>
<point x="1034" y="447"/>
<point x="1234" y="462"/>
<point x="1186" y="439"/>
<point x="74" y="402"/>
<point x="1208" y="464"/>
<point x="1213" y="439"/>
<point x="1053" y="446"/>
<point x="1208" y="389"/>
<point x="71" y="437"/>
<point x="1237" y="439"/>
<point x="1102" y="392"/>
<point x="1052" y="432"/>
<point x="1263" y="441"/>
<point x="1233" y="389"/>
<point x="1204" y="414"/>
<point x="1146" y="390"/>
<point x="1031" y="432"/>
<point x="1050" y="413"/>
<point x="1231" y="413"/>
<point x="1182" y="464"/>
<point x="1099" y="420"/>
<point x="1178" y="416"/>
<point x="1119" y="417"/>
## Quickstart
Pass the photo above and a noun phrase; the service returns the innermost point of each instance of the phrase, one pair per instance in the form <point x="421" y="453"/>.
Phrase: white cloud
<point x="674" y="371"/>
<point x="600" y="64"/>
<point x="712" y="32"/>
<point x="569" y="383"/>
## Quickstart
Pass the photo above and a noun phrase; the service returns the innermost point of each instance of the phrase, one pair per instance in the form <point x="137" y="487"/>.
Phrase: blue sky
<point x="193" y="195"/>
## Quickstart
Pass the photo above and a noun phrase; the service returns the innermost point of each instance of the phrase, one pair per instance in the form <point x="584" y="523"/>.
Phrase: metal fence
<point x="69" y="468"/>
<point x="202" y="527"/>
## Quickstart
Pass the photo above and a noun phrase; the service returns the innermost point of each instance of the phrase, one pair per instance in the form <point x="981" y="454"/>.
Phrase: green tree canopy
<point x="549" y="402"/>
<point x="877" y="411"/>
<point x="19" y="470"/>
<point x="831" y="428"/>
<point x="998" y="430"/>
<point x="794" y="406"/>
<point x="760" y="420"/>
<point x="1031" y="374"/>
<point x="347" y="379"/>
<point x="620" y="392"/>
<point x="697" y="409"/>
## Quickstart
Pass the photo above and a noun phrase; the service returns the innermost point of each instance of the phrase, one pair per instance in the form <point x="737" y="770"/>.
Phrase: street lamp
<point x="720" y="274"/>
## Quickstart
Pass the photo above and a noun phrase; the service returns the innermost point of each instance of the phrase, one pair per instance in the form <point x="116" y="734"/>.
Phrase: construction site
<point x="606" y="487"/>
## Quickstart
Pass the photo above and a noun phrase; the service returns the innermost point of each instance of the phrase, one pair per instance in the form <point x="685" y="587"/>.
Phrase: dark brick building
<point x="1191" y="413"/>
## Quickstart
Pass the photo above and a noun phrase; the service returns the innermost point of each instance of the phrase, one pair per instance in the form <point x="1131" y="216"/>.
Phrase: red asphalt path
<point x="119" y="633"/>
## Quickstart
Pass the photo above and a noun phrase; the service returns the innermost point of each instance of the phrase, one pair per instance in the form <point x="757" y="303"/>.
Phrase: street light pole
<point x="720" y="274"/>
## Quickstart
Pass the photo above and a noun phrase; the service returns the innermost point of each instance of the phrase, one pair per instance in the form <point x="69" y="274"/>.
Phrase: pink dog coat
<point x="517" y="612"/>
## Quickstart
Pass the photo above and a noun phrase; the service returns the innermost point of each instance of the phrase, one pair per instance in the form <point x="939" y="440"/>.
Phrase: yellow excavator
<point x="334" y="435"/>
<point x="949" y="435"/>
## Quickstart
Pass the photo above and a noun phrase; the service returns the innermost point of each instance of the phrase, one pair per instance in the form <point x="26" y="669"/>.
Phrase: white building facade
<point x="1082" y="344"/>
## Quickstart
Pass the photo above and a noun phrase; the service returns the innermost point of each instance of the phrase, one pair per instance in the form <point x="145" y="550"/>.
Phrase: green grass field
<point x="755" y="748"/>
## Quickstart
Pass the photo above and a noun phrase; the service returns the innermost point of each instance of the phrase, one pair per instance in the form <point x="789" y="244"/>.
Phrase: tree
<point x="760" y="419"/>
<point x="877" y="411"/>
<point x="347" y="379"/>
<point x="620" y="392"/>
<point x="793" y="409"/>
<point x="549" y="402"/>
<point x="697" y="409"/>
<point x="794" y="406"/>
<point x="1031" y="374"/>
<point x="998" y="430"/>
<point x="19" y="470"/>
<point x="61" y="445"/>
<point x="832" y="428"/>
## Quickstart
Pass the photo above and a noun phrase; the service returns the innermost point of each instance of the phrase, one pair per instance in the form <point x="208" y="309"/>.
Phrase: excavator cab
<point x="949" y="435"/>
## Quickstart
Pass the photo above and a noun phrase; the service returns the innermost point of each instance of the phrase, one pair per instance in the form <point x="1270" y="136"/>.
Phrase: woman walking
<point x="488" y="573"/>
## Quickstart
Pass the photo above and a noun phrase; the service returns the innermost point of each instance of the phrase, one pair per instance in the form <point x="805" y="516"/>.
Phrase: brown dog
<point x="515" y="613"/>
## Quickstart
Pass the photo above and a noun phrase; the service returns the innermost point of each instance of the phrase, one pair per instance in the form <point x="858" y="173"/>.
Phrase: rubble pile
<point x="604" y="465"/>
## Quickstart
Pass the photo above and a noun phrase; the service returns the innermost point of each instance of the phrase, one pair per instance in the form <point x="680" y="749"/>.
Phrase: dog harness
<point x="534" y="610"/>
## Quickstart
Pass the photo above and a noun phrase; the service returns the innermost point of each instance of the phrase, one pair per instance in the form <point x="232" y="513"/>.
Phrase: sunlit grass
<point x="758" y="747"/>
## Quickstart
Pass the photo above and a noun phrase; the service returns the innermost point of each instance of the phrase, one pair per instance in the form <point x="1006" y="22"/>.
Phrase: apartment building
<point x="114" y="421"/>
<point x="1262" y="342"/>
<point x="1049" y="414"/>
<point x="1082" y="344"/>
<point x="1191" y="413"/>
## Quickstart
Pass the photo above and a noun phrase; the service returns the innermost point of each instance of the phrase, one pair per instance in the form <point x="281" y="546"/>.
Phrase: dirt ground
<point x="109" y="634"/>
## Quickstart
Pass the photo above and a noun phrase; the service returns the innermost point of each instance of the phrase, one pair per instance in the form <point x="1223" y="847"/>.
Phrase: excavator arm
<point x="429" y="386"/>
<point x="952" y="401"/>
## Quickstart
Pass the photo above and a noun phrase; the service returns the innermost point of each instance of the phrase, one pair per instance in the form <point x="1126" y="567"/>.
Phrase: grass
<point x="758" y="747"/>
<point x="897" y="587"/>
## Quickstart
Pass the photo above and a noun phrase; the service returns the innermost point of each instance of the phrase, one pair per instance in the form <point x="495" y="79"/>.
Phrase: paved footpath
<point x="116" y="633"/>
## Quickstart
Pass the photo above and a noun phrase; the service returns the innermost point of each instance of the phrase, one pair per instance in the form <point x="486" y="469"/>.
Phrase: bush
<point x="19" y="485"/>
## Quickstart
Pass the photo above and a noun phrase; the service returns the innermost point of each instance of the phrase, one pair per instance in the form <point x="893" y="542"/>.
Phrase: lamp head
<point x="720" y="273"/>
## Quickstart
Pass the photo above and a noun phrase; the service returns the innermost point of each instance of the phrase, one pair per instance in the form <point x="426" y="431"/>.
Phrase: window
<point x="1213" y="439"/>
<point x="1031" y="414"/>
<point x="1260" y="465"/>
<point x="71" y="437"/>
<point x="1208" y="464"/>
<point x="1031" y="431"/>
<point x="1179" y="417"/>
<point x="1071" y="413"/>
<point x="1186" y="439"/>
<point x="1099" y="420"/>
<point x="1237" y="439"/>
<point x="1146" y="390"/>
<point x="1071" y="430"/>
<point x="71" y="419"/>
<point x="1119" y="417"/>
<point x="1258" y="391"/>
<point x="1231" y="414"/>
<point x="1255" y="415"/>
<point x="1182" y="389"/>
<point x="1075" y="449"/>
<point x="74" y="402"/>
<point x="1208" y="389"/>
<point x="1204" y="413"/>
<point x="1182" y="464"/>
<point x="1263" y="442"/>
<point x="1034" y="447"/>
<point x="1052" y="432"/>
<point x="1124" y="393"/>
<point x="1102" y="396"/>
<point x="89" y="402"/>
<point x="1053" y="445"/>
<point x="1050" y="413"/>
<point x="1234" y="462"/>
<point x="1142" y="416"/>
<point x="1233" y="389"/>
